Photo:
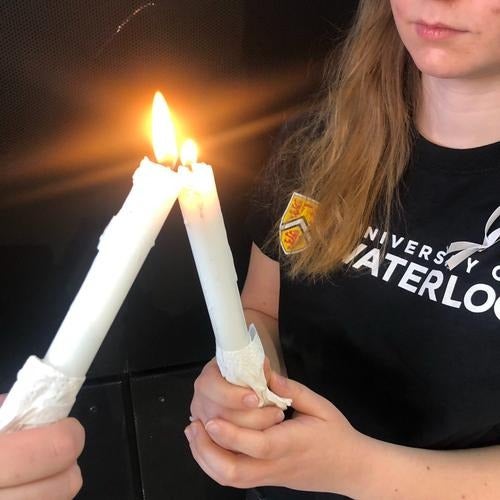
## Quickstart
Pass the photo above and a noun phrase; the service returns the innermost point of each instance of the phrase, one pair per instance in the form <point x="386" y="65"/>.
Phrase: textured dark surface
<point x="72" y="94"/>
<point x="161" y="409"/>
<point x="109" y="460"/>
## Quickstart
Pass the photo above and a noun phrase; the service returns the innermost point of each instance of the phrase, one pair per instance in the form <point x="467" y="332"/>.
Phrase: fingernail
<point x="251" y="400"/>
<point x="191" y="418"/>
<point x="188" y="433"/>
<point x="279" y="417"/>
<point x="212" y="427"/>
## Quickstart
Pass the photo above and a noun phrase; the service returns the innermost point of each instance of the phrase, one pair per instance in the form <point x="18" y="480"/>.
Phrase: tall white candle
<point x="202" y="215"/>
<point x="123" y="247"/>
<point x="45" y="390"/>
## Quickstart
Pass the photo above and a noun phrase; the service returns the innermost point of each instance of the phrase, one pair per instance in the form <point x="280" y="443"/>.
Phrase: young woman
<point x="389" y="323"/>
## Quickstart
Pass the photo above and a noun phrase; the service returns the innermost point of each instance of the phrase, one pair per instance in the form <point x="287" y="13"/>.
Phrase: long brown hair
<point x="351" y="155"/>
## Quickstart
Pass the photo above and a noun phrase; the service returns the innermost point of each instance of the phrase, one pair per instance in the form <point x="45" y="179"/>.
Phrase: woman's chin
<point x="445" y="69"/>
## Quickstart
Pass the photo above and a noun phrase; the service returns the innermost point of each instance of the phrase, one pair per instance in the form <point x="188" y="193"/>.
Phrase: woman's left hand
<point x="317" y="450"/>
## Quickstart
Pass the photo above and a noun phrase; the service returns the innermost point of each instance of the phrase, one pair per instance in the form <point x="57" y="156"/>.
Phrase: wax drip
<point x="124" y="23"/>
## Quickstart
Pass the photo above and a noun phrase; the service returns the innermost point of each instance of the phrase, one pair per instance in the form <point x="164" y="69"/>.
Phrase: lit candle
<point x="123" y="248"/>
<point x="240" y="354"/>
<point x="202" y="215"/>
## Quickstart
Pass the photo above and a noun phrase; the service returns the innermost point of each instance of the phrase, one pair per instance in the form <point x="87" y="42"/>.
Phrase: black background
<point x="75" y="90"/>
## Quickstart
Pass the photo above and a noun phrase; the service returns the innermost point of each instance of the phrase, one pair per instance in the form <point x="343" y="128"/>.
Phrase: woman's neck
<point x="460" y="114"/>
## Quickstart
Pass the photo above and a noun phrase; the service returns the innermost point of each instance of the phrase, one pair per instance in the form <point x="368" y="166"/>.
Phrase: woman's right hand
<point x="40" y="463"/>
<point x="215" y="397"/>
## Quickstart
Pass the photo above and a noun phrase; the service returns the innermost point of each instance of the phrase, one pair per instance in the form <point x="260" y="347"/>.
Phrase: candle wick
<point x="175" y="165"/>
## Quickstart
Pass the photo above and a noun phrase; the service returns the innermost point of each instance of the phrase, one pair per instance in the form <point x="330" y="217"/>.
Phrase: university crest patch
<point x="295" y="222"/>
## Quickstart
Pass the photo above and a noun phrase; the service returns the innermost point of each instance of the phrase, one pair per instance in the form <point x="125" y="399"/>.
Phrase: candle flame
<point x="189" y="152"/>
<point x="163" y="132"/>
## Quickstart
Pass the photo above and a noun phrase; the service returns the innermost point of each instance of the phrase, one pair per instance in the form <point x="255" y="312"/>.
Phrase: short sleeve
<point x="261" y="223"/>
<point x="271" y="193"/>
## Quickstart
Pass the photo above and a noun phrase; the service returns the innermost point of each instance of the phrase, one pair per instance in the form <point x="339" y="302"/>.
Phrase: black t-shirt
<point x="407" y="349"/>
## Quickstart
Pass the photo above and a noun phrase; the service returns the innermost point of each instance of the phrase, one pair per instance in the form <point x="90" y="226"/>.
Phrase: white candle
<point x="202" y="215"/>
<point x="240" y="355"/>
<point x="123" y="247"/>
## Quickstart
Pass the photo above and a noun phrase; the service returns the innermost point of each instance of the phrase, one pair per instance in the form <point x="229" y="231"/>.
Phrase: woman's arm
<point x="260" y="298"/>
<point x="397" y="472"/>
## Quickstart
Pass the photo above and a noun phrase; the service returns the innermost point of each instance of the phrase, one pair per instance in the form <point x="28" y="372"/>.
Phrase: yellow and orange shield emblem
<point x="295" y="222"/>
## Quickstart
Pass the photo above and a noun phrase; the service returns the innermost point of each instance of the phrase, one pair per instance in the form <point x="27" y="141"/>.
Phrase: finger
<point x="34" y="454"/>
<point x="2" y="398"/>
<point x="208" y="460"/>
<point x="62" y="486"/>
<point x="211" y="385"/>
<point x="258" y="419"/>
<point x="256" y="444"/>
<point x="225" y="467"/>
<point x="303" y="399"/>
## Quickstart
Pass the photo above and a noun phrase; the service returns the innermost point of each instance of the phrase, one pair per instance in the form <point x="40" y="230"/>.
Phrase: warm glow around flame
<point x="189" y="152"/>
<point x="163" y="132"/>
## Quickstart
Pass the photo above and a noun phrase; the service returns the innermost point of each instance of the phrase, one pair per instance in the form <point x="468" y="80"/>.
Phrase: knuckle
<point x="194" y="408"/>
<point x="203" y="384"/>
<point x="198" y="412"/>
<point x="198" y="384"/>
<point x="230" y="476"/>
<point x="208" y="369"/>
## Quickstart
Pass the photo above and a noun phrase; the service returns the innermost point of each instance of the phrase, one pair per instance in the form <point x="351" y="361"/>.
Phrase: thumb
<point x="304" y="400"/>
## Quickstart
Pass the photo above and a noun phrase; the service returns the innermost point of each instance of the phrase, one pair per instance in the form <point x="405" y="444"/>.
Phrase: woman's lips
<point x="436" y="31"/>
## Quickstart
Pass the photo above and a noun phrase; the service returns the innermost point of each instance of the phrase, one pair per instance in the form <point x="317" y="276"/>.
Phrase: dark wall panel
<point x="161" y="407"/>
<point x="109" y="461"/>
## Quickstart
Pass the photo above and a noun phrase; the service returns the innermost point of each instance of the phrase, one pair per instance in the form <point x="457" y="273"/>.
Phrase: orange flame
<point x="163" y="132"/>
<point x="189" y="152"/>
